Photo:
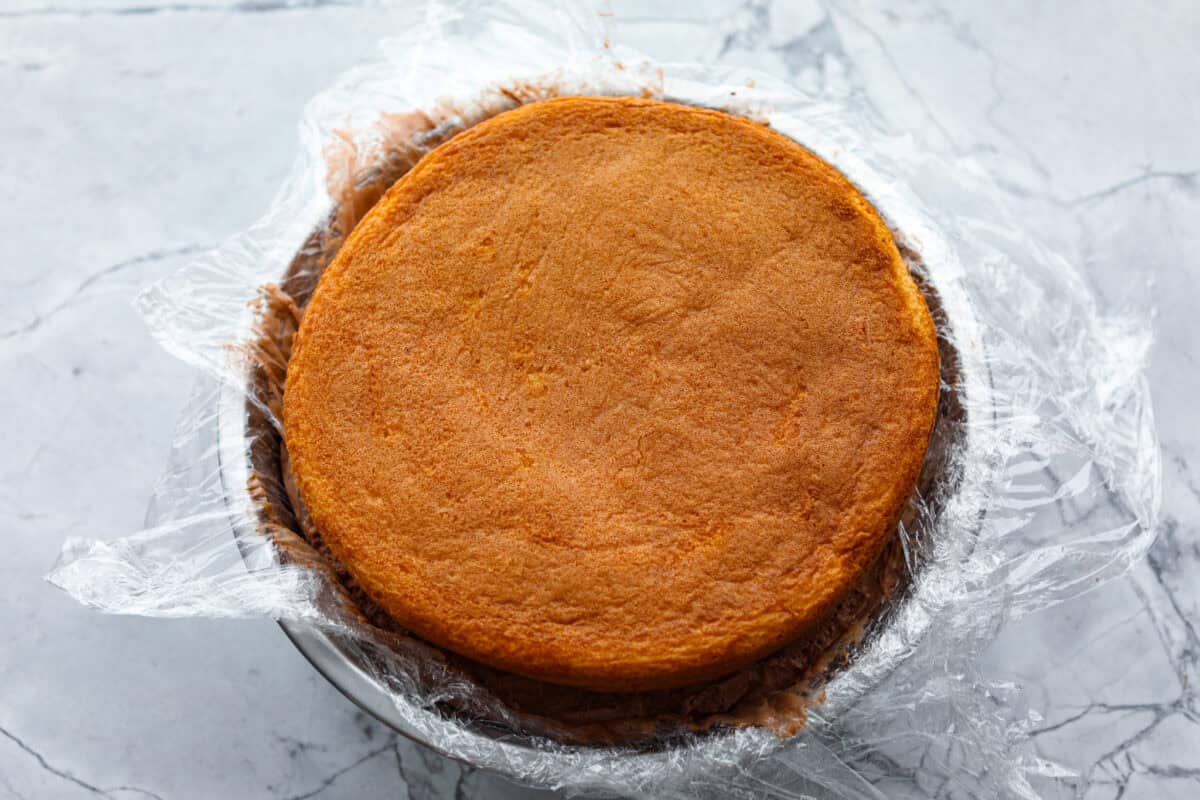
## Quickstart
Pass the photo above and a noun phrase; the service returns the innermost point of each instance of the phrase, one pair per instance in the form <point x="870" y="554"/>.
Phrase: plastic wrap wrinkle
<point x="1044" y="479"/>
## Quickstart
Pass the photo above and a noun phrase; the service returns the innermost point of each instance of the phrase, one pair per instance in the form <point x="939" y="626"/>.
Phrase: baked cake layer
<point x="612" y="393"/>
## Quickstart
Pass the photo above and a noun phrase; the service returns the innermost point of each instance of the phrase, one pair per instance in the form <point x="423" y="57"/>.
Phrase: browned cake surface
<point x="612" y="393"/>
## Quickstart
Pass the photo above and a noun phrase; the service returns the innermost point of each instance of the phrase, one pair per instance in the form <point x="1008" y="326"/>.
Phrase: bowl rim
<point x="333" y="661"/>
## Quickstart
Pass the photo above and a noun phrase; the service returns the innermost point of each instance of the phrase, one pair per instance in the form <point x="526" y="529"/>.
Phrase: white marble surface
<point x="137" y="133"/>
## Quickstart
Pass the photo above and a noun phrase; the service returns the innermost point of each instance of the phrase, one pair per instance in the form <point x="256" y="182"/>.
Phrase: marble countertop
<point x="138" y="133"/>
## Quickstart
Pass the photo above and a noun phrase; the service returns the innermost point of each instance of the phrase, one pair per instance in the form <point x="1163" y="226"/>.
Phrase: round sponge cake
<point x="613" y="393"/>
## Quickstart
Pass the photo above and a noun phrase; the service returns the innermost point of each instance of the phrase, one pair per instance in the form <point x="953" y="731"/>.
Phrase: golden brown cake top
<point x="613" y="393"/>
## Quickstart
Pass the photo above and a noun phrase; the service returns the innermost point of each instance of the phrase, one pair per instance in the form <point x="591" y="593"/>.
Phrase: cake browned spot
<point x="612" y="393"/>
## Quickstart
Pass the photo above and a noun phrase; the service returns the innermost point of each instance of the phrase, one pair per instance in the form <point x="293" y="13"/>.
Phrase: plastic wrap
<point x="1042" y="481"/>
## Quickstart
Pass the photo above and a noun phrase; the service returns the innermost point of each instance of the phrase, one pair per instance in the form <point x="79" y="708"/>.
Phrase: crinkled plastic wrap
<point x="1043" y="478"/>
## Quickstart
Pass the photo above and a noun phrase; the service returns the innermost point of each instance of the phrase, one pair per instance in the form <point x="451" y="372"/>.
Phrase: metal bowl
<point x="250" y="445"/>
